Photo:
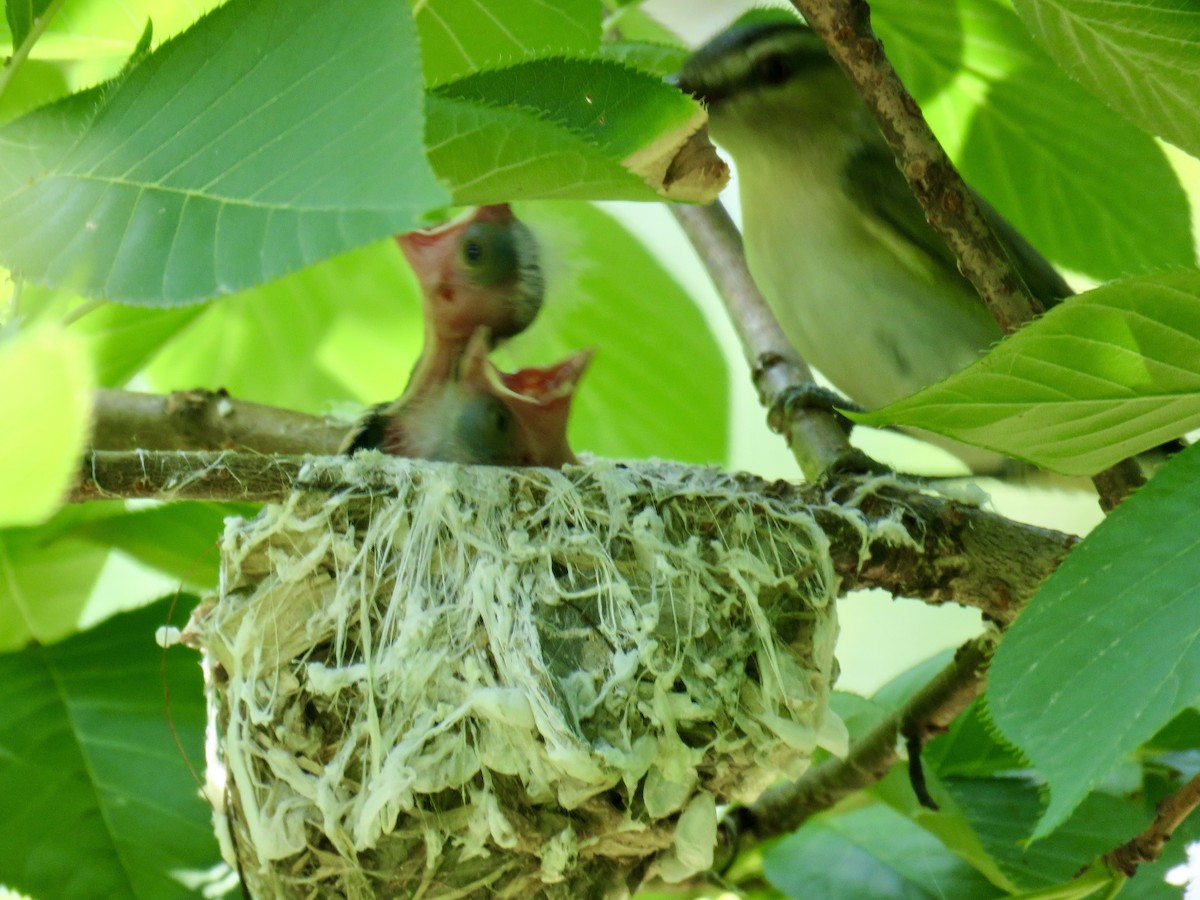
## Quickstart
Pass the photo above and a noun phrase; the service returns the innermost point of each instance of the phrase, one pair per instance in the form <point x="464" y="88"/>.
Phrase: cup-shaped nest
<point x="439" y="680"/>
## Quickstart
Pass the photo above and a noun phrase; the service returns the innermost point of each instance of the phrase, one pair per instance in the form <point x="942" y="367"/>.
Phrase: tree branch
<point x="883" y="532"/>
<point x="814" y="436"/>
<point x="207" y="420"/>
<point x="950" y="207"/>
<point x="930" y="711"/>
<point x="1148" y="846"/>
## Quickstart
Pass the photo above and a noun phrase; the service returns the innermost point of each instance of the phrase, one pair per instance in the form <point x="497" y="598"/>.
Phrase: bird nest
<point x="446" y="680"/>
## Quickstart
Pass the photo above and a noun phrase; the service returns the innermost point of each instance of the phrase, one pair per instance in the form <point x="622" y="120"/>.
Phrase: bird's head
<point x="767" y="77"/>
<point x="525" y="411"/>
<point x="480" y="270"/>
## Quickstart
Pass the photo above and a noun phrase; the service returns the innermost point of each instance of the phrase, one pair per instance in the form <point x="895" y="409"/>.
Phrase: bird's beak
<point x="430" y="251"/>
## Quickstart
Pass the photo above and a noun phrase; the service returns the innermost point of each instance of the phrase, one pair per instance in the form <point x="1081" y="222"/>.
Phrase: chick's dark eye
<point x="488" y="253"/>
<point x="773" y="69"/>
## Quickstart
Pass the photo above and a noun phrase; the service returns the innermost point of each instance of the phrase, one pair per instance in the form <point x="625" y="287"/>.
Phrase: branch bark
<point x="1148" y="846"/>
<point x="207" y="420"/>
<point x="883" y="532"/>
<point x="930" y="711"/>
<point x="814" y="436"/>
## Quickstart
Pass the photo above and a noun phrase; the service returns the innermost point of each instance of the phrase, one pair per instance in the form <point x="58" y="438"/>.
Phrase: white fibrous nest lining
<point x="446" y="680"/>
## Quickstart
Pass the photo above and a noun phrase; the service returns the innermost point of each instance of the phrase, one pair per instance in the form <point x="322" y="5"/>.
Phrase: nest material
<point x="451" y="680"/>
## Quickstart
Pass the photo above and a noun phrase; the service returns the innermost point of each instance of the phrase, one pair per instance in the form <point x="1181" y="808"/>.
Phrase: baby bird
<point x="482" y="271"/>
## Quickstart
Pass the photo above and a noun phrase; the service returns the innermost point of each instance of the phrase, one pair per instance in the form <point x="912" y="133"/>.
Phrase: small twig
<point x="814" y="435"/>
<point x="1148" y="846"/>
<point x="930" y="711"/>
<point x="78" y="312"/>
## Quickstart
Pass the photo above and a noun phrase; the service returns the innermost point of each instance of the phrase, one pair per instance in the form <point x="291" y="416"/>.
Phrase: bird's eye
<point x="488" y="253"/>
<point x="773" y="69"/>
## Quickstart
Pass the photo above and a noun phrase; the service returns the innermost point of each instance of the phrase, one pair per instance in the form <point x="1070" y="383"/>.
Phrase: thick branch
<point x="930" y="712"/>
<point x="883" y="532"/>
<point x="814" y="435"/>
<point x="950" y="207"/>
<point x="207" y="420"/>
<point x="1148" y="846"/>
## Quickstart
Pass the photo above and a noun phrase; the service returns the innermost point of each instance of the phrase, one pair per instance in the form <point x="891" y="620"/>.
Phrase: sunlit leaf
<point x="1141" y="58"/>
<point x="267" y="137"/>
<point x="47" y="402"/>
<point x="1112" y="373"/>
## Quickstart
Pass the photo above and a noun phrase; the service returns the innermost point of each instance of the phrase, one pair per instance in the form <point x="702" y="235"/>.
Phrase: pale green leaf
<point x="1107" y="375"/>
<point x="268" y="136"/>
<point x="97" y="802"/>
<point x="345" y="330"/>
<point x="660" y="59"/>
<point x="47" y="416"/>
<point x="870" y="852"/>
<point x="1141" y="58"/>
<point x="658" y="384"/>
<point x="459" y="37"/>
<point x="46" y="578"/>
<point x="1108" y="651"/>
<point x="1091" y="191"/>
<point x="86" y="30"/>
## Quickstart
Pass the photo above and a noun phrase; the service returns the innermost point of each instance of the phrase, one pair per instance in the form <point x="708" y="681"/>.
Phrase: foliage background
<point x="99" y="802"/>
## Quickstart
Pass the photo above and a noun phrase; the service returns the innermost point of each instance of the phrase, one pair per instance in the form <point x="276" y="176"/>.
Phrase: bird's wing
<point x="872" y="180"/>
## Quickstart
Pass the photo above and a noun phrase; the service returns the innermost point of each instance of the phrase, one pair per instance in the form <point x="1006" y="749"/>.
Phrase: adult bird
<point x="862" y="285"/>
<point x="480" y="271"/>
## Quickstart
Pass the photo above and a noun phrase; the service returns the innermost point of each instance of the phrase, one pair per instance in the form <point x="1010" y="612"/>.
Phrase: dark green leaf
<point x="269" y="136"/>
<point x="1108" y="651"/>
<point x="1002" y="810"/>
<point x="867" y="853"/>
<point x="1109" y="374"/>
<point x="1143" y="58"/>
<point x="97" y="801"/>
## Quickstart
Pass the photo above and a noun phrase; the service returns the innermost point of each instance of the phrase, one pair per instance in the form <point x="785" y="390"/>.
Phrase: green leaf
<point x="490" y="155"/>
<point x="1109" y="374"/>
<point x="46" y="577"/>
<point x="618" y="109"/>
<point x="348" y="329"/>
<point x="658" y="385"/>
<point x="458" y="37"/>
<point x="554" y="128"/>
<point x="267" y="137"/>
<point x="48" y="404"/>
<point x="97" y="802"/>
<point x="870" y="852"/>
<point x="20" y="15"/>
<point x="1143" y="59"/>
<point x="1091" y="191"/>
<point x="1108" y="651"/>
<point x="180" y="539"/>
<point x="1001" y="812"/>
<point x="659" y="59"/>
<point x="972" y="748"/>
